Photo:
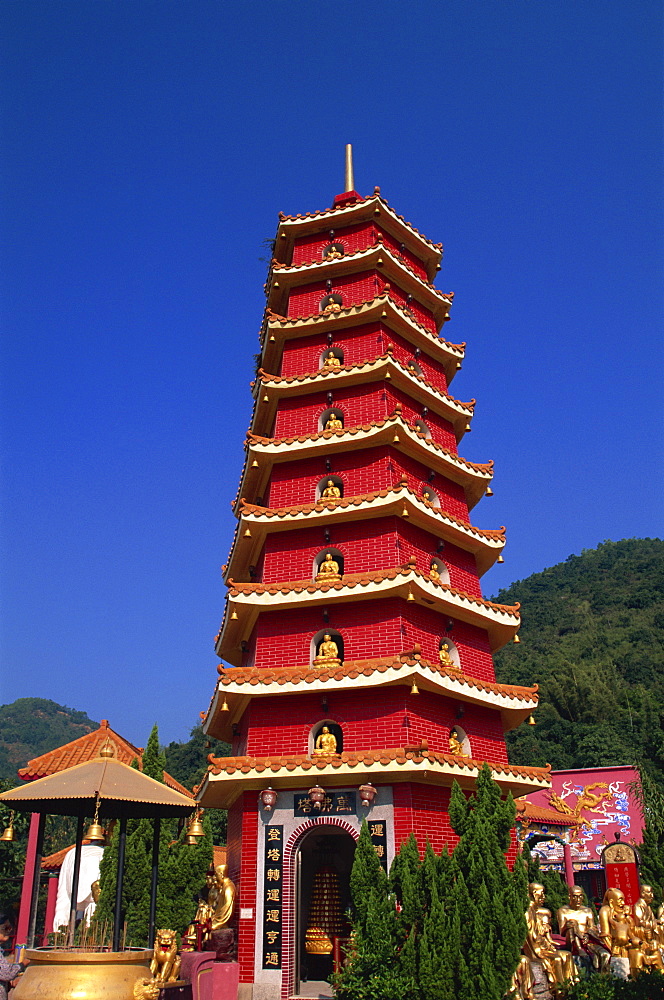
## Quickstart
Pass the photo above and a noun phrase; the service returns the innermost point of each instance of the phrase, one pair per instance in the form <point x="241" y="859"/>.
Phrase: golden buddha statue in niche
<point x="444" y="656"/>
<point x="333" y="253"/>
<point x="326" y="742"/>
<point x="331" y="360"/>
<point x="434" y="573"/>
<point x="456" y="744"/>
<point x="328" y="569"/>
<point x="328" y="651"/>
<point x="333" y="423"/>
<point x="331" y="491"/>
<point x="540" y="947"/>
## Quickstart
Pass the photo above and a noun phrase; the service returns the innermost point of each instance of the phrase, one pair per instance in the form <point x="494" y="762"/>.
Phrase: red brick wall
<point x="369" y="628"/>
<point x="309" y="249"/>
<point x="422" y="810"/>
<point x="371" y="719"/>
<point x="242" y="850"/>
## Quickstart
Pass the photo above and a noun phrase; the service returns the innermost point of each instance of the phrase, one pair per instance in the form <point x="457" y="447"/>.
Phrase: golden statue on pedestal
<point x="331" y="491"/>
<point x="433" y="572"/>
<point x="328" y="651"/>
<point x="165" y="964"/>
<point x="333" y="423"/>
<point x="540" y="947"/>
<point x="576" y="923"/>
<point x="332" y="307"/>
<point x="328" y="569"/>
<point x="326" y="742"/>
<point x="617" y="930"/>
<point x="224" y="902"/>
<point x="331" y="361"/>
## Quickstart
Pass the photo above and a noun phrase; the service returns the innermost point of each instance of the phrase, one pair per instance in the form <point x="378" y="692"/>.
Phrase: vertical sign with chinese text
<point x="273" y="882"/>
<point x="378" y="832"/>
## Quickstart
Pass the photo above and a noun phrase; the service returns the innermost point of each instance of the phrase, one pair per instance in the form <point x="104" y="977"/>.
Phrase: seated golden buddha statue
<point x="326" y="742"/>
<point x="444" y="656"/>
<point x="331" y="491"/>
<point x="647" y="929"/>
<point x="331" y="360"/>
<point x="328" y="569"/>
<point x="618" y="931"/>
<point x="333" y="253"/>
<point x="456" y="745"/>
<point x="328" y="651"/>
<point x="540" y="947"/>
<point x="333" y="423"/>
<point x="434" y="573"/>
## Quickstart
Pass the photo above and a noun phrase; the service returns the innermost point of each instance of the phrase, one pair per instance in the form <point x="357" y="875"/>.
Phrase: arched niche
<point x="332" y="357"/>
<point x="333" y="250"/>
<point x="447" y="648"/>
<point x="438" y="571"/>
<point x="319" y="638"/>
<point x="337" y="557"/>
<point x="334" y="728"/>
<point x="462" y="737"/>
<point x="422" y="428"/>
<point x="331" y="302"/>
<point x="430" y="495"/>
<point x="329" y="482"/>
<point x="413" y="366"/>
<point x="328" y="414"/>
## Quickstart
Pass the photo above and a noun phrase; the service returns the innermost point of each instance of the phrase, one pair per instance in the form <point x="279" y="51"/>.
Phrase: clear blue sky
<point x="147" y="148"/>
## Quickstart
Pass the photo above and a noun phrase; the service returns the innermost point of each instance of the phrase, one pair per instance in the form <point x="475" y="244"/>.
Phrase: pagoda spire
<point x="350" y="179"/>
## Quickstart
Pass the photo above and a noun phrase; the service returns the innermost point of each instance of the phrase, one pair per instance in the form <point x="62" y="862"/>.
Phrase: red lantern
<point x="317" y="796"/>
<point x="268" y="798"/>
<point x="367" y="794"/>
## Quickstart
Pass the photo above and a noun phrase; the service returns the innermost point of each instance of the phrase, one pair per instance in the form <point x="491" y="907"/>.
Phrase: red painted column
<point x="51" y="898"/>
<point x="26" y="889"/>
<point x="569" y="867"/>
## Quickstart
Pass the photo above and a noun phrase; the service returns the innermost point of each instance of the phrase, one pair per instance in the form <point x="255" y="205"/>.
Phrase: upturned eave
<point x="382" y="308"/>
<point x="246" y="601"/>
<point x="399" y="501"/>
<point x="228" y="777"/>
<point x="372" y="208"/>
<point x="269" y="389"/>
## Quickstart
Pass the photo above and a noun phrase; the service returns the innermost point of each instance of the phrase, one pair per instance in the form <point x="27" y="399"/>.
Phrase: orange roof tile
<point x="305" y="674"/>
<point x="351" y="580"/>
<point x="86" y="748"/>
<point x="530" y="813"/>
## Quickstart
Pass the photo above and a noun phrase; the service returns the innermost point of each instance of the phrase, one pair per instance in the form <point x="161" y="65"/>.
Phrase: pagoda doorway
<point x="323" y="862"/>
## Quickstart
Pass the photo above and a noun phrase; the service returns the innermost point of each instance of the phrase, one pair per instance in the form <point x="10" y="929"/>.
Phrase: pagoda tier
<point x="359" y="642"/>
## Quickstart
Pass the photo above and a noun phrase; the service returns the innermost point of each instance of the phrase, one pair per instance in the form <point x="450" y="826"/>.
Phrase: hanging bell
<point x="516" y="638"/>
<point x="195" y="828"/>
<point x="531" y="720"/>
<point x="468" y="427"/>
<point x="224" y="707"/>
<point x="95" y="832"/>
<point x="396" y="439"/>
<point x="190" y="841"/>
<point x="404" y="512"/>
<point x="9" y="834"/>
<point x="410" y="596"/>
<point x="414" y="689"/>
<point x="234" y="616"/>
<point x="458" y="366"/>
<point x="500" y="559"/>
<point x="488" y="492"/>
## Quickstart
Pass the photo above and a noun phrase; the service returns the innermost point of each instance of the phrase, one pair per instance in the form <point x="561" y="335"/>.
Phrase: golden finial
<point x="350" y="180"/>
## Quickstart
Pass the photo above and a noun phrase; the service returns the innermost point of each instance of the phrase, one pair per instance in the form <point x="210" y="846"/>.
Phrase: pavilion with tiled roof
<point x="357" y="676"/>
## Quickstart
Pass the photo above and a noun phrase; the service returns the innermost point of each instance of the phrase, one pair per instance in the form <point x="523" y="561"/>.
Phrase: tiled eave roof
<point x="239" y="685"/>
<point x="371" y="208"/>
<point x="361" y="373"/>
<point x="394" y="431"/>
<point x="86" y="748"/>
<point x="284" y="278"/>
<point x="246" y="601"/>
<point x="485" y="545"/>
<point x="527" y="813"/>
<point x="227" y="777"/>
<point x="381" y="308"/>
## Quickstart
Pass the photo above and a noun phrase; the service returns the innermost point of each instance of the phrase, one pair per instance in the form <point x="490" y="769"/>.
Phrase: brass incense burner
<point x="82" y="975"/>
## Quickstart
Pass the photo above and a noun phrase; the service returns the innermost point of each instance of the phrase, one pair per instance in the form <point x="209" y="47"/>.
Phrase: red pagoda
<point x="361" y="682"/>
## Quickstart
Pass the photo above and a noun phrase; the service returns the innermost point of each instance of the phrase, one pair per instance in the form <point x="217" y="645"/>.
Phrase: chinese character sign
<point x="378" y="833"/>
<point x="272" y="896"/>
<point x="335" y="803"/>
<point x="624" y="876"/>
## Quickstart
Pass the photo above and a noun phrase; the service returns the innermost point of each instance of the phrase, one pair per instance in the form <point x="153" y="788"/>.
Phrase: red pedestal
<point x="210" y="980"/>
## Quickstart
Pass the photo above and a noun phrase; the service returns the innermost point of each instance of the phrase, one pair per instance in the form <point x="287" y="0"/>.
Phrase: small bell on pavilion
<point x="410" y="596"/>
<point x="9" y="834"/>
<point x="488" y="492"/>
<point x="414" y="689"/>
<point x="96" y="830"/>
<point x="195" y="828"/>
<point x="468" y="427"/>
<point x="500" y="559"/>
<point x="516" y="638"/>
<point x="234" y="615"/>
<point x="531" y="720"/>
<point x="224" y="706"/>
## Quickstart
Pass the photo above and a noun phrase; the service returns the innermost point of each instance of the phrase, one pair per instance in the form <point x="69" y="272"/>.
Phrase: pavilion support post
<point x="155" y="879"/>
<point x="26" y="889"/>
<point x="36" y="877"/>
<point x="117" y="922"/>
<point x="73" y="905"/>
<point x="569" y="867"/>
<point x="51" y="898"/>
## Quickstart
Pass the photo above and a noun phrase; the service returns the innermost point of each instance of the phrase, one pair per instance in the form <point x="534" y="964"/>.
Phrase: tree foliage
<point x="592" y="638"/>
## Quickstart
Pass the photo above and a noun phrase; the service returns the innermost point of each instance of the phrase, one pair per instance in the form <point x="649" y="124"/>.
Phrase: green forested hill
<point x="32" y="726"/>
<point x="593" y="639"/>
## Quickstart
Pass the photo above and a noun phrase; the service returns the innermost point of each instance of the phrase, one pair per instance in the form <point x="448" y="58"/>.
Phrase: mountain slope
<point x="32" y="726"/>
<point x="593" y="639"/>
